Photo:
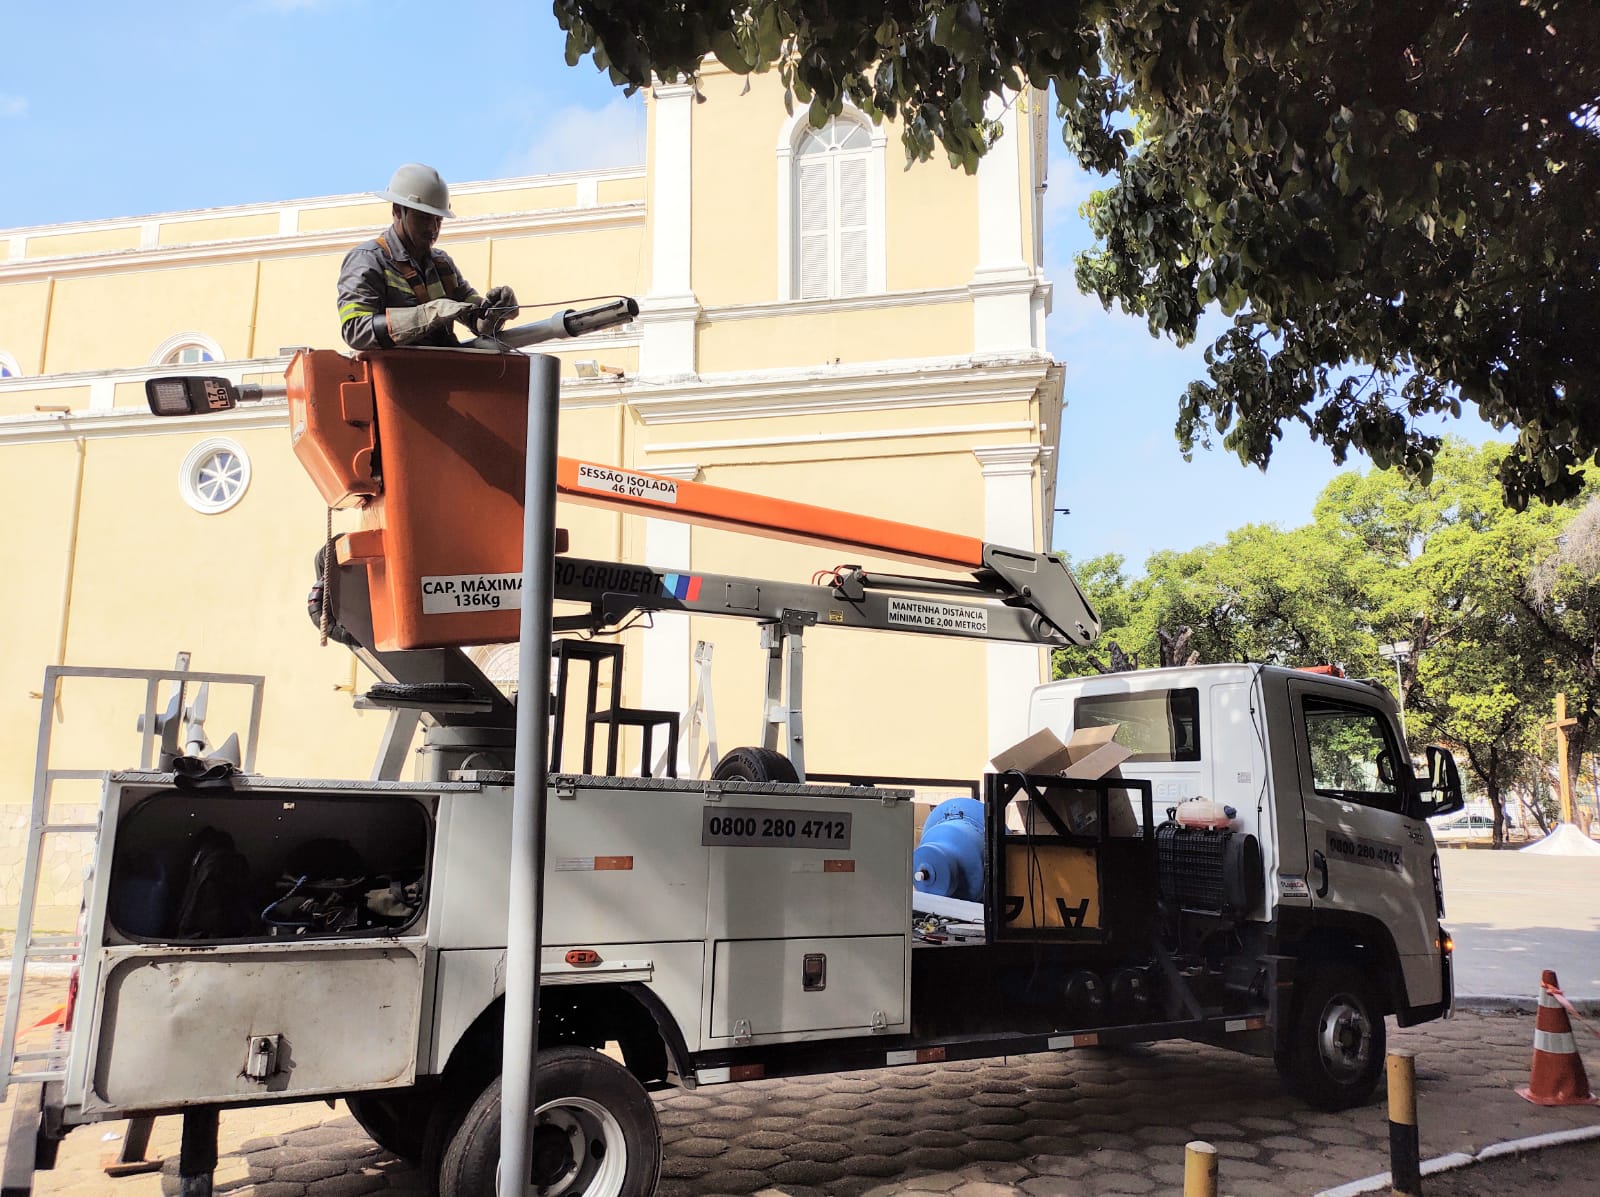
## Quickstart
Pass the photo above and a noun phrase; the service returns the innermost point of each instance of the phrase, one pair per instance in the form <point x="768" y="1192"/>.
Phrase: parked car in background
<point x="1468" y="826"/>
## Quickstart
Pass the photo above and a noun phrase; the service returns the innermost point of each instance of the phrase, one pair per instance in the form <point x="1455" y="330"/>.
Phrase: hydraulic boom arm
<point x="1038" y="582"/>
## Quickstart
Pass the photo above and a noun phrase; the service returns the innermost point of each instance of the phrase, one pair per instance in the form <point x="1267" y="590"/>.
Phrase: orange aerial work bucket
<point x="440" y="491"/>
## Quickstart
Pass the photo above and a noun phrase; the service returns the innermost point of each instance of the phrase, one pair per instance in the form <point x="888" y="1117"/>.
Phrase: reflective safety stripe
<point x="1058" y="1042"/>
<point x="1557" y="1043"/>
<point x="1548" y="999"/>
<point x="351" y="310"/>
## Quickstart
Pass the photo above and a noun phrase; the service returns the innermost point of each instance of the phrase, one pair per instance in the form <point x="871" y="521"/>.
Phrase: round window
<point x="214" y="476"/>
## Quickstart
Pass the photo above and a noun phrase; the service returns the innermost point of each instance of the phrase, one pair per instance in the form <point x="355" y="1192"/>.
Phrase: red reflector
<point x="747" y="1072"/>
<point x="1085" y="1040"/>
<point x="929" y="1055"/>
<point x="614" y="863"/>
<point x="838" y="866"/>
<point x="583" y="957"/>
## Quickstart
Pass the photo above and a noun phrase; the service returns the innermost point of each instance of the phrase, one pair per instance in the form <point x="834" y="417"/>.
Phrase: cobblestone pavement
<point x="1086" y="1122"/>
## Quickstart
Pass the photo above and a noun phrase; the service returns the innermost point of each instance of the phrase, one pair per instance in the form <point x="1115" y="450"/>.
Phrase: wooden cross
<point x="1560" y="727"/>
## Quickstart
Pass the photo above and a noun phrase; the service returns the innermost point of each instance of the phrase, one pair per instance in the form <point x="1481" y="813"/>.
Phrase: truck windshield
<point x="1157" y="725"/>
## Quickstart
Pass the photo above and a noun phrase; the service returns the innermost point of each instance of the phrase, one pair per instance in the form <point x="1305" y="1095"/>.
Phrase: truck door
<point x="1366" y="859"/>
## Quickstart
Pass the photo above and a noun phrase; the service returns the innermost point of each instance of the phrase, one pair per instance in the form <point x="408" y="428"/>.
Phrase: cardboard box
<point x="1090" y="753"/>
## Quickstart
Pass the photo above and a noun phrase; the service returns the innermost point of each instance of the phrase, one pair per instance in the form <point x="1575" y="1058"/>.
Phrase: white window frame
<point x="9" y="365"/>
<point x="186" y="340"/>
<point x="789" y="135"/>
<point x="188" y="475"/>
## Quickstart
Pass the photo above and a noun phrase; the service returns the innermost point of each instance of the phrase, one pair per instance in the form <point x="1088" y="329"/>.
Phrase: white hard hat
<point x="420" y="187"/>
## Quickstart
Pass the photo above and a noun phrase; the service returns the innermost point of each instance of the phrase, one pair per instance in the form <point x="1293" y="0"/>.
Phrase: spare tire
<point x="755" y="764"/>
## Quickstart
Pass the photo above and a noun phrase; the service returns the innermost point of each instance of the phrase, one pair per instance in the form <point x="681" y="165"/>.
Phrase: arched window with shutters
<point x="831" y="209"/>
<point x="187" y="349"/>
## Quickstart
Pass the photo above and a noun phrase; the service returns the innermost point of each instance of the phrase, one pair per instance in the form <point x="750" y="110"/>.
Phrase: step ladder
<point x="177" y="729"/>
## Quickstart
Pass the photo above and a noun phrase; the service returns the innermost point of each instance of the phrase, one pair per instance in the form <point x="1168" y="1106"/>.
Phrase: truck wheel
<point x="755" y="764"/>
<point x="394" y="1121"/>
<point x="1337" y="1041"/>
<point x="596" y="1133"/>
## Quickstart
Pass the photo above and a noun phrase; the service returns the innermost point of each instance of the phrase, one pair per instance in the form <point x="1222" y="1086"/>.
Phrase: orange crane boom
<point x="740" y="511"/>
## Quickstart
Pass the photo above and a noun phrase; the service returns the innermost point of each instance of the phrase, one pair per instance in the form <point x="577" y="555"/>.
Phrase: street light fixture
<point x="1397" y="652"/>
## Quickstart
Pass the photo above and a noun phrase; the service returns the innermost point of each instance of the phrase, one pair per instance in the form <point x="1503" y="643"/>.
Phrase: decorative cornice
<point x="1006" y="282"/>
<point x="656" y="309"/>
<point x="876" y="386"/>
<point x="235" y="370"/>
<point x="684" y="473"/>
<point x="553" y="220"/>
<point x="836" y="438"/>
<point x="999" y="461"/>
<point x="311" y="203"/>
<point x="822" y="307"/>
<point x="45" y="427"/>
<point x="926" y="384"/>
<point x="130" y="421"/>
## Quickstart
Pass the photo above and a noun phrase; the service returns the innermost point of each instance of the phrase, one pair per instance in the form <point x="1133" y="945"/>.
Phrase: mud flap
<point x="1280" y="1010"/>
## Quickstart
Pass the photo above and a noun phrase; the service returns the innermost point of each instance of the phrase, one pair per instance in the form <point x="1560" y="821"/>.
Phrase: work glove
<point x="412" y="324"/>
<point x="499" y="307"/>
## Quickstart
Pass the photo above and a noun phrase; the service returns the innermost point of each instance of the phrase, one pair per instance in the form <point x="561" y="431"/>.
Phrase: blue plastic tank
<point x="949" y="860"/>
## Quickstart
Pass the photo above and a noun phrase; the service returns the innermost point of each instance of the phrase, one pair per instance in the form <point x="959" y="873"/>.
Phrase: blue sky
<point x="129" y="109"/>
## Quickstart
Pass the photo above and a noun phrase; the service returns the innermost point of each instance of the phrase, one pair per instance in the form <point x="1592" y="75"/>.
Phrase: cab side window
<point x="1352" y="756"/>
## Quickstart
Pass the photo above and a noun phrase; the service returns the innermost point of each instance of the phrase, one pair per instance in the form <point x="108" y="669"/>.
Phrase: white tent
<point x="1565" y="840"/>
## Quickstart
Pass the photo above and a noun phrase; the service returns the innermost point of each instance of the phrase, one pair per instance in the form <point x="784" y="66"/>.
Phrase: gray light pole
<point x="529" y="792"/>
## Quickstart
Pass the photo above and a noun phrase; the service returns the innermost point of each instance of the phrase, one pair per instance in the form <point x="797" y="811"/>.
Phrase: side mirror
<point x="1442" y="793"/>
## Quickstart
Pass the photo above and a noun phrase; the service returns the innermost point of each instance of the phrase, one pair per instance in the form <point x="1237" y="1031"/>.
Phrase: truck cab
<point x="1315" y="768"/>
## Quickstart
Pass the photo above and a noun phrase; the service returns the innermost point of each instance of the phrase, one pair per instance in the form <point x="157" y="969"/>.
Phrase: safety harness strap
<point x="448" y="279"/>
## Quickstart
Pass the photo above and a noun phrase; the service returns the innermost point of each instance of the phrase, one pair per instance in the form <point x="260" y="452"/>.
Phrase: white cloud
<point x="578" y="138"/>
<point x="1069" y="186"/>
<point x="13" y="105"/>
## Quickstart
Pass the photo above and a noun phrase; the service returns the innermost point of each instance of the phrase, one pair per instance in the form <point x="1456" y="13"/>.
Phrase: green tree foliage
<point x="1501" y="607"/>
<point x="1393" y="202"/>
<point x="1264" y="595"/>
<point x="1105" y="585"/>
<point x="1505" y="617"/>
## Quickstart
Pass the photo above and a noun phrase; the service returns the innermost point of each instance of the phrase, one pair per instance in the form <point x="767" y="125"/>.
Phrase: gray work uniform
<point x="380" y="274"/>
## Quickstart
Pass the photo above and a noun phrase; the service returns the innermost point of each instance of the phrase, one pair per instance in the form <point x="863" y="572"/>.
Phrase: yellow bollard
<point x="1199" y="1170"/>
<point x="1405" y="1167"/>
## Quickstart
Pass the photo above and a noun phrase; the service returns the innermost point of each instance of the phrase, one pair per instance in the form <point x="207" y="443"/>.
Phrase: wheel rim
<point x="578" y="1147"/>
<point x="1344" y="1038"/>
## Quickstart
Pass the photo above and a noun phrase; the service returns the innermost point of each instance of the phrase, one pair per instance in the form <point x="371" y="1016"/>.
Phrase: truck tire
<point x="584" y="1099"/>
<point x="755" y="764"/>
<point x="1337" y="1042"/>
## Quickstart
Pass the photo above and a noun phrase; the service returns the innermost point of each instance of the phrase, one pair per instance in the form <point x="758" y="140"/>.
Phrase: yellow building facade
<point x="818" y="322"/>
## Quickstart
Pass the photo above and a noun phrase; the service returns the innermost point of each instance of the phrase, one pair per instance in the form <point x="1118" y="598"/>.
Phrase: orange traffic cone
<point x="1558" y="1078"/>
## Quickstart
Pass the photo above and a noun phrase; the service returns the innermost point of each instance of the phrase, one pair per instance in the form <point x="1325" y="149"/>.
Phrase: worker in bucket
<point x="398" y="289"/>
